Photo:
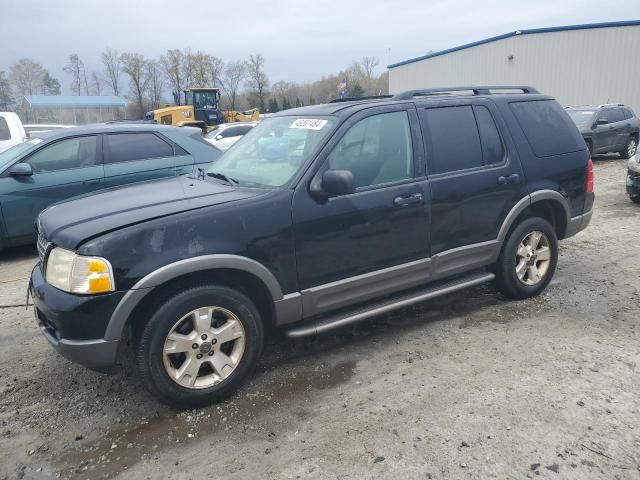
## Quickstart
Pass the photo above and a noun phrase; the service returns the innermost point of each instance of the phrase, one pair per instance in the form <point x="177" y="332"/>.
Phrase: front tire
<point x="528" y="259"/>
<point x="630" y="148"/>
<point x="199" y="346"/>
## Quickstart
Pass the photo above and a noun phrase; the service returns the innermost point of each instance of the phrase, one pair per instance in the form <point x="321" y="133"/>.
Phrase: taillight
<point x="589" y="182"/>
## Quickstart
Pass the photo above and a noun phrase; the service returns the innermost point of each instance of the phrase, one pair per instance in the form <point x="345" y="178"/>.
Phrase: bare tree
<point x="171" y="65"/>
<point x="112" y="69"/>
<point x="201" y="69"/>
<point x="216" y="70"/>
<point x="234" y="74"/>
<point x="134" y="65"/>
<point x="369" y="65"/>
<point x="96" y="83"/>
<point x="27" y="76"/>
<point x="156" y="84"/>
<point x="257" y="78"/>
<point x="75" y="68"/>
<point x="188" y="68"/>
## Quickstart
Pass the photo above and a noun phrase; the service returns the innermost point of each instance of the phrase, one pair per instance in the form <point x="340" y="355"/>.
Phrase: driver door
<point x="364" y="242"/>
<point x="61" y="170"/>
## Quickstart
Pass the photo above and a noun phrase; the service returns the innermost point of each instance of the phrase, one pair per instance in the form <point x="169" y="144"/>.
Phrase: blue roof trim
<point x="71" y="101"/>
<point x="586" y="26"/>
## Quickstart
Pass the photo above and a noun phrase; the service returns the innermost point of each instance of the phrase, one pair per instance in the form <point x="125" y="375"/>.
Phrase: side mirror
<point x="21" y="170"/>
<point x="219" y="137"/>
<point x="333" y="183"/>
<point x="602" y="121"/>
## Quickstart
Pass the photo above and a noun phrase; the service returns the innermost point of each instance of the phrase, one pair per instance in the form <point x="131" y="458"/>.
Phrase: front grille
<point x="43" y="248"/>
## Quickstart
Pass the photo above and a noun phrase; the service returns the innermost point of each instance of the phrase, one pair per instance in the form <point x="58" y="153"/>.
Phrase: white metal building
<point x="578" y="64"/>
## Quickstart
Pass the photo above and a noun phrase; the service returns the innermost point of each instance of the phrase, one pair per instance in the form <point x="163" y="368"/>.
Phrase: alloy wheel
<point x="204" y="347"/>
<point x="533" y="258"/>
<point x="631" y="148"/>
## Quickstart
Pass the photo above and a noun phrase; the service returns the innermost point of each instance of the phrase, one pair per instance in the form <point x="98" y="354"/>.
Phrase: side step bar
<point x="385" y="306"/>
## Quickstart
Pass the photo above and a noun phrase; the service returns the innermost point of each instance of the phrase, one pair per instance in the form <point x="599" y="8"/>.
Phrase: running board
<point x="385" y="306"/>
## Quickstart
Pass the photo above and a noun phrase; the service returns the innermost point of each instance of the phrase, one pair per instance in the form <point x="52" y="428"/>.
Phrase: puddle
<point x="121" y="449"/>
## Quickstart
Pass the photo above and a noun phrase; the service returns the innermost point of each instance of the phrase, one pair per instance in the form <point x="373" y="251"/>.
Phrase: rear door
<point x="473" y="170"/>
<point x="136" y="156"/>
<point x="603" y="136"/>
<point x="61" y="169"/>
<point x="621" y="126"/>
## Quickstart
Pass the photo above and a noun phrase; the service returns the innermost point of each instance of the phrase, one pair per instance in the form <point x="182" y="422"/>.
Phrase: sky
<point x="300" y="40"/>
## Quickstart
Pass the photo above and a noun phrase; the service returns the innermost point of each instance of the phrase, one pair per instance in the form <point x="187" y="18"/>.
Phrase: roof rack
<point x="355" y="99"/>
<point x="611" y="105"/>
<point x="408" y="95"/>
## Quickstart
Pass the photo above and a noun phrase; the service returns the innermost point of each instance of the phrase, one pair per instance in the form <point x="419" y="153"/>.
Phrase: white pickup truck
<point x="11" y="130"/>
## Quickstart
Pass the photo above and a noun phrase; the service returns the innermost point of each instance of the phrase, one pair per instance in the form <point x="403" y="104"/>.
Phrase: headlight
<point x="634" y="163"/>
<point x="78" y="274"/>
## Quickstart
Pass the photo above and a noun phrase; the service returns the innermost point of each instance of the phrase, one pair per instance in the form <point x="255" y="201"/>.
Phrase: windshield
<point x="8" y="156"/>
<point x="273" y="151"/>
<point x="581" y="117"/>
<point x="214" y="133"/>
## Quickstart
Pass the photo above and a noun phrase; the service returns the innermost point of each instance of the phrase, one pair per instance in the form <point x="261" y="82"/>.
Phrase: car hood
<point x="71" y="222"/>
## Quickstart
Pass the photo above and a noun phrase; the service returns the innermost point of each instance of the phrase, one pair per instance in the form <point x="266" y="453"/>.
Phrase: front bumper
<point x="75" y="325"/>
<point x="633" y="184"/>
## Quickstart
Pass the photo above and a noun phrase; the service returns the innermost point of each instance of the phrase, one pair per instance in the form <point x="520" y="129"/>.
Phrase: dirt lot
<point x="469" y="386"/>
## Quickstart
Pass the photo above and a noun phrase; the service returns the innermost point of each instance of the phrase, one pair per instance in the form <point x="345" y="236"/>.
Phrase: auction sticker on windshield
<point x="309" y="123"/>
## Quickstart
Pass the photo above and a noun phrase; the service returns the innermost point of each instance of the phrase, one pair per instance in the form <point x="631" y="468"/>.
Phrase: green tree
<point x="285" y="104"/>
<point x="356" y="90"/>
<point x="273" y="105"/>
<point x="6" y="100"/>
<point x="50" y="85"/>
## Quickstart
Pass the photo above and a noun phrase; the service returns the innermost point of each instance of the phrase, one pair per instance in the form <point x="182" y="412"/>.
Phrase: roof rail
<point x="408" y="95"/>
<point x="611" y="105"/>
<point x="355" y="99"/>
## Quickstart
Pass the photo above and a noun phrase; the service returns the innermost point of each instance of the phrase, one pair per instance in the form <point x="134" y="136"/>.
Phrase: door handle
<point x="412" y="199"/>
<point x="505" y="180"/>
<point x="92" y="182"/>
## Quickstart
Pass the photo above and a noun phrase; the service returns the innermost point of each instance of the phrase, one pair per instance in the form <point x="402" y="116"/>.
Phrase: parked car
<point x="633" y="178"/>
<point x="76" y="161"/>
<point x="11" y="130"/>
<point x="320" y="217"/>
<point x="607" y="128"/>
<point x="226" y="134"/>
<point x="35" y="129"/>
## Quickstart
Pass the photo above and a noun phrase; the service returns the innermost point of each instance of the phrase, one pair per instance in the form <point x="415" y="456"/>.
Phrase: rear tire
<point x="633" y="199"/>
<point x="528" y="259"/>
<point x="214" y="337"/>
<point x="630" y="148"/>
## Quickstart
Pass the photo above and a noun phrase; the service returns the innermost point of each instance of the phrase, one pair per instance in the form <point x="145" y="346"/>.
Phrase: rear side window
<point x="616" y="115"/>
<point x="452" y="139"/>
<point x="5" y="133"/>
<point x="126" y="147"/>
<point x="627" y="113"/>
<point x="492" y="148"/>
<point x="547" y="127"/>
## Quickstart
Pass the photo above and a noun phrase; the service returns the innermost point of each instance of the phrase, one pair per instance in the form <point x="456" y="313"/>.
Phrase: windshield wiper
<point x="223" y="177"/>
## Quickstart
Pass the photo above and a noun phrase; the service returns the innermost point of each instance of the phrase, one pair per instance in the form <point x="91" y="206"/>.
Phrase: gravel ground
<point x="467" y="386"/>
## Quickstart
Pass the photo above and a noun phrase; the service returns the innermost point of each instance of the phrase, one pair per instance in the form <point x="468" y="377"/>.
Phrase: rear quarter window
<point x="548" y="128"/>
<point x="5" y="133"/>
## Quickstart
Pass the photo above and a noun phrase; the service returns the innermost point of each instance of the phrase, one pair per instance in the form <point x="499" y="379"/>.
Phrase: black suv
<point x="319" y="217"/>
<point x="607" y="128"/>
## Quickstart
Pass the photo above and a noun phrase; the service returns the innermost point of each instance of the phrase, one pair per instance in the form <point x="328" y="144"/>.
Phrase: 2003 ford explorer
<point x="319" y="217"/>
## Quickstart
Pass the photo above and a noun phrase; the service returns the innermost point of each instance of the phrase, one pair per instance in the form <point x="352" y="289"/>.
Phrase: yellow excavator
<point x="201" y="109"/>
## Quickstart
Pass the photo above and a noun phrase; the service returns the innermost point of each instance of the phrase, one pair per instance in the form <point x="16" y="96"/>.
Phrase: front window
<point x="273" y="151"/>
<point x="581" y="117"/>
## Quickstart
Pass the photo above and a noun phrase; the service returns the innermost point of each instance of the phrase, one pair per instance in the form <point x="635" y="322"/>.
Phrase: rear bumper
<point x="579" y="223"/>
